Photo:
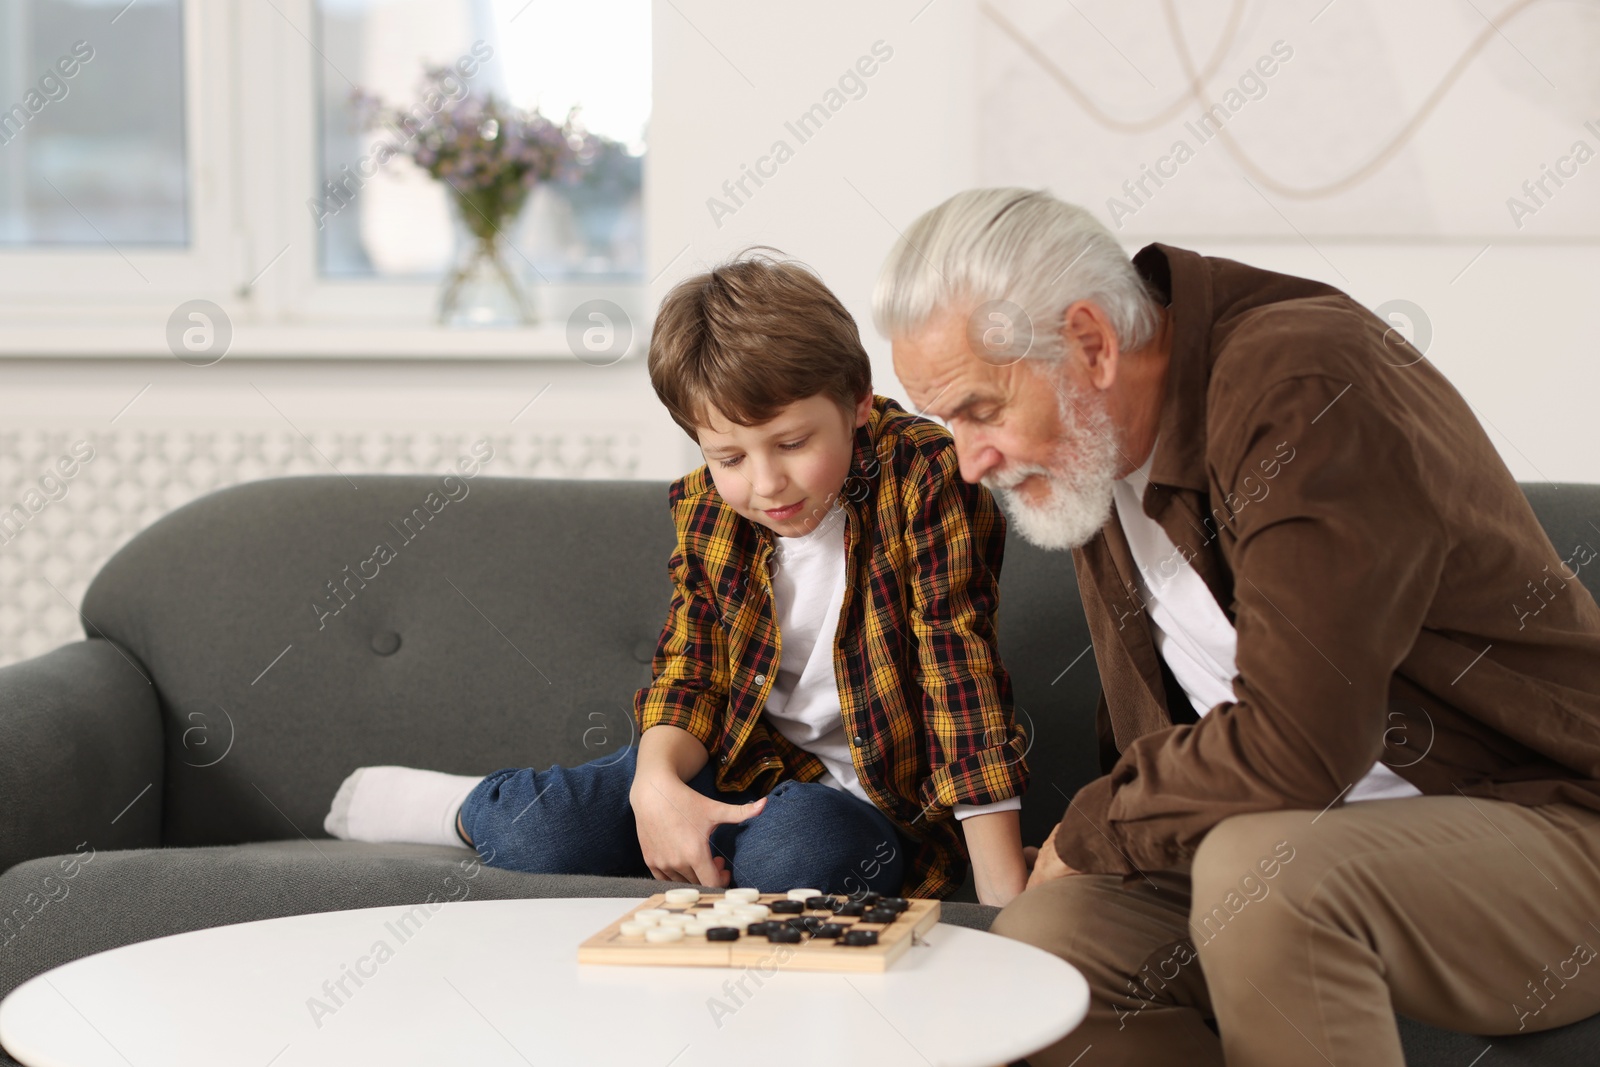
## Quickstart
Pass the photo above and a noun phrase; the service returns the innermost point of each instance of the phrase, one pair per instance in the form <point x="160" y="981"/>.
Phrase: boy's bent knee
<point x="814" y="835"/>
<point x="807" y="799"/>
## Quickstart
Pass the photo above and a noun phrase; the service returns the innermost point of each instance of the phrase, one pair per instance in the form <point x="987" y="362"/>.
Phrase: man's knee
<point x="1244" y="874"/>
<point x="1129" y="945"/>
<point x="1050" y="914"/>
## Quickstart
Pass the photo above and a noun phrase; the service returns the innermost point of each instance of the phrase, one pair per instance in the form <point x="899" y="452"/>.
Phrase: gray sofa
<point x="186" y="751"/>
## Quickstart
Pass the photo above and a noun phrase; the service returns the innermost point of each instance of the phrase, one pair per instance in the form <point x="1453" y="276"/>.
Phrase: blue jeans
<point x="578" y="820"/>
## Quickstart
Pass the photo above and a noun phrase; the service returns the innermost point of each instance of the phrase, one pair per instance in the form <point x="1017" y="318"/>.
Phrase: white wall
<point x="730" y="75"/>
<point x="1512" y="332"/>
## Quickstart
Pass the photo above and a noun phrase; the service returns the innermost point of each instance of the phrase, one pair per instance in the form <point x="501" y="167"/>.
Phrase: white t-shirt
<point x="1191" y="631"/>
<point x="808" y="577"/>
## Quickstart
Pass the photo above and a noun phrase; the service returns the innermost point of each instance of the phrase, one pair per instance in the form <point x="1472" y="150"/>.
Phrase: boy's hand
<point x="675" y="825"/>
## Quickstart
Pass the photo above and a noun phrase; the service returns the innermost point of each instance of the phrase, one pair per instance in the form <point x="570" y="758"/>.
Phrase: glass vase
<point x="483" y="289"/>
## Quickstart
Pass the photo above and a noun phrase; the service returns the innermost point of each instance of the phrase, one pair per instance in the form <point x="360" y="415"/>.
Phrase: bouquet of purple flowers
<point x="489" y="153"/>
<point x="492" y="156"/>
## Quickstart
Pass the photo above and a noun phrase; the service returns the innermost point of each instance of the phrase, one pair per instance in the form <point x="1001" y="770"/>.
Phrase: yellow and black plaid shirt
<point x="925" y="700"/>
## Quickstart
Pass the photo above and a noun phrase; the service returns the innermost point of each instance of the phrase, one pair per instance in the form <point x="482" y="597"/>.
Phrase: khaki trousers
<point x="1303" y="933"/>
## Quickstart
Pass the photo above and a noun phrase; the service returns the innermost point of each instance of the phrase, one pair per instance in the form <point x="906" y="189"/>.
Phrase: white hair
<point x="1020" y="246"/>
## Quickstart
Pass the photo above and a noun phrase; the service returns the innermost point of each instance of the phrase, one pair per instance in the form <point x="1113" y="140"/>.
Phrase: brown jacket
<point x="1393" y="592"/>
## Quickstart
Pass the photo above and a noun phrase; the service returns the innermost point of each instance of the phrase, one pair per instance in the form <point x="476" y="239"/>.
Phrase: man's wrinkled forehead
<point x="941" y="375"/>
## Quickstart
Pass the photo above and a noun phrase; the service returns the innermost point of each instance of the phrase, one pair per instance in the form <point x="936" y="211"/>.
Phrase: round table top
<point x="494" y="982"/>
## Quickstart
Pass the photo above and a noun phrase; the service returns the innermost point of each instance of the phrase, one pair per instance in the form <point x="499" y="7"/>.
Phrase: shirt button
<point x="857" y="739"/>
<point x="761" y="679"/>
<point x="722" y="759"/>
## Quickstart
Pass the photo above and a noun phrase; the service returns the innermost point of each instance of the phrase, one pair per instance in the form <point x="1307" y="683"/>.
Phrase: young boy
<point x="828" y="701"/>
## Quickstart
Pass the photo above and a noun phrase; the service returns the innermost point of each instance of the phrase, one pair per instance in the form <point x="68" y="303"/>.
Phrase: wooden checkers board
<point x="818" y="948"/>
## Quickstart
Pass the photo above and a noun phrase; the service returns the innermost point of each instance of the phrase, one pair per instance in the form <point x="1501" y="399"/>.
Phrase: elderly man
<point x="1351" y="767"/>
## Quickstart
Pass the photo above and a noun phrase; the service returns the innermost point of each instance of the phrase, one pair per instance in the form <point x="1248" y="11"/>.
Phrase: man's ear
<point x="1090" y="340"/>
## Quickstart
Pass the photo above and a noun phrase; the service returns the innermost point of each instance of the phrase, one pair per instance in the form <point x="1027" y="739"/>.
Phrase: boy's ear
<point x="864" y="408"/>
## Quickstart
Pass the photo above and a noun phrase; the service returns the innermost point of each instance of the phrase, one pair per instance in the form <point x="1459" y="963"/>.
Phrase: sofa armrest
<point x="80" y="740"/>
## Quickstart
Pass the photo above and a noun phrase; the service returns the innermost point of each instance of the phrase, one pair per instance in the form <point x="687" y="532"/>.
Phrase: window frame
<point x="252" y="151"/>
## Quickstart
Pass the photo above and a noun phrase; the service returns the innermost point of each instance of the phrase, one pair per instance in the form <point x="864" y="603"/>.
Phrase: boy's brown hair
<point x="751" y="336"/>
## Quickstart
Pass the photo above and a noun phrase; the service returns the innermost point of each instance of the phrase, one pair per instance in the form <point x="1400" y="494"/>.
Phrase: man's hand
<point x="675" y="824"/>
<point x="1044" y="862"/>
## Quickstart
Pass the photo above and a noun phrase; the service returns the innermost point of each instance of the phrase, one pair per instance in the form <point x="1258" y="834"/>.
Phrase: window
<point x="91" y="139"/>
<point x="553" y="57"/>
<point x="184" y="157"/>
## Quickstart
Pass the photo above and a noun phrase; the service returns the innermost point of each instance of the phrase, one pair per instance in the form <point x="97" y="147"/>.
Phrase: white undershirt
<point x="808" y="577"/>
<point x="1189" y="628"/>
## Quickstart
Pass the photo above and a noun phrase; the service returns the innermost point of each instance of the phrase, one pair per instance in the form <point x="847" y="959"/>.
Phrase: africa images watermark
<point x="52" y="88"/>
<point x="1232" y="505"/>
<point x="446" y="88"/>
<point x="1566" y="167"/>
<point x="1250" y="889"/>
<point x="851" y="85"/>
<point x="736" y="995"/>
<point x="53" y="486"/>
<point x="1582" y="555"/>
<point x="760" y="972"/>
<point x="1251" y="85"/>
<point x="336" y="992"/>
<point x="1541" y="993"/>
<point x="50" y="890"/>
<point x="451" y="488"/>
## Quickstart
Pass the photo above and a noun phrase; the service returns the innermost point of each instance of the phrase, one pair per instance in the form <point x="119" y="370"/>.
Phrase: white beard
<point x="1079" y="476"/>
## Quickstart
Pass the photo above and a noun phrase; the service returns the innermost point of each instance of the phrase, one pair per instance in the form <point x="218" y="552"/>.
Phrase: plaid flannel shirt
<point x="925" y="700"/>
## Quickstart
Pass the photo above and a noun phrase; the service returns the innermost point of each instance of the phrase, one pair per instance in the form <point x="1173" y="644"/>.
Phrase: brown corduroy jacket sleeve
<point x="1334" y="571"/>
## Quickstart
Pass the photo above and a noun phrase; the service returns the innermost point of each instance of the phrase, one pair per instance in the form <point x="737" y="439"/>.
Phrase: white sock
<point x="399" y="804"/>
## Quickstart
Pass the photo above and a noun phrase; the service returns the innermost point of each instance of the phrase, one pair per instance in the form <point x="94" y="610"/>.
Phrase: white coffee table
<point x="496" y="982"/>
